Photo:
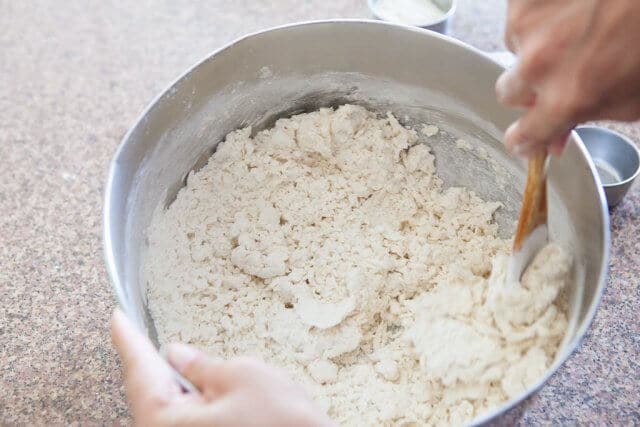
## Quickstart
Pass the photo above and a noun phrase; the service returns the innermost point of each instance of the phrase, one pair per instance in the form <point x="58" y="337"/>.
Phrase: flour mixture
<point x="328" y="246"/>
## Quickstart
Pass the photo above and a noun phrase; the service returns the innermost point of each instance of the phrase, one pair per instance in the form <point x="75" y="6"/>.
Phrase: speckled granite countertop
<point x="73" y="77"/>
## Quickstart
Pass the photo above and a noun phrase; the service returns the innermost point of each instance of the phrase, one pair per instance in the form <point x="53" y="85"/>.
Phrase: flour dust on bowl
<point x="444" y="128"/>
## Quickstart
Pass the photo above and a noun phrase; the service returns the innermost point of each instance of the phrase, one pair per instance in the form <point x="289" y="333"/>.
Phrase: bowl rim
<point x="622" y="138"/>
<point x="111" y="193"/>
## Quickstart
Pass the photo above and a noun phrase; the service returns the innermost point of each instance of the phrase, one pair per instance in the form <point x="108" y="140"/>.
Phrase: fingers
<point x="557" y="109"/>
<point x="514" y="17"/>
<point x="519" y="141"/>
<point x="546" y="79"/>
<point x="513" y="90"/>
<point x="246" y="392"/>
<point x="554" y="146"/>
<point x="251" y="410"/>
<point x="550" y="115"/>
<point x="557" y="145"/>
<point x="208" y="374"/>
<point x="517" y="87"/>
<point x="148" y="380"/>
<point x="193" y="414"/>
<point x="227" y="411"/>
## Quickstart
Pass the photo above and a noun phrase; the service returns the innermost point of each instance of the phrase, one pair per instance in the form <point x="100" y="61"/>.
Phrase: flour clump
<point x="327" y="245"/>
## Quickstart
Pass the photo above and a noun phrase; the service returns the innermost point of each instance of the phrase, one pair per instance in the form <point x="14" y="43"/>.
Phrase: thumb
<point x="149" y="381"/>
<point x="552" y="117"/>
<point x="206" y="373"/>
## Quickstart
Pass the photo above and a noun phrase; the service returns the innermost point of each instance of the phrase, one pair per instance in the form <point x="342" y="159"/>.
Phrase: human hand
<point x="239" y="392"/>
<point x="579" y="60"/>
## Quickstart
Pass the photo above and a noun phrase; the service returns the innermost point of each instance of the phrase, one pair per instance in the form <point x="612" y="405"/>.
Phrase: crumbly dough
<point x="429" y="130"/>
<point x="327" y="245"/>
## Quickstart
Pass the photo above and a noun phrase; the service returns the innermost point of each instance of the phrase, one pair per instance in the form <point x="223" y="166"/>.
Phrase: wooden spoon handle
<point x="534" y="204"/>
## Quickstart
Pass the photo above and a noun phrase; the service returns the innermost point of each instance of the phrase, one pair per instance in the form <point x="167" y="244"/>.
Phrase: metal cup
<point x="441" y="25"/>
<point x="616" y="157"/>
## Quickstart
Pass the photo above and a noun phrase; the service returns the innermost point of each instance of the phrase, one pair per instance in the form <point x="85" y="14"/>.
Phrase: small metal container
<point x="441" y="25"/>
<point x="616" y="158"/>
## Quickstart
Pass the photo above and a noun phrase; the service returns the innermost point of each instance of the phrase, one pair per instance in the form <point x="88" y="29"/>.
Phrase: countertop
<point x="74" y="76"/>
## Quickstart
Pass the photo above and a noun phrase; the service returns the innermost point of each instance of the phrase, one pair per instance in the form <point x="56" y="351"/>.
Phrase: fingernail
<point x="515" y="143"/>
<point x="500" y="88"/>
<point x="180" y="355"/>
<point x="518" y="146"/>
<point x="509" y="86"/>
<point x="517" y="149"/>
<point x="504" y="86"/>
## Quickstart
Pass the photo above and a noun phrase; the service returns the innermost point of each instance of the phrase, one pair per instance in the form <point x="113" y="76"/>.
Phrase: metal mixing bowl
<point x="419" y="75"/>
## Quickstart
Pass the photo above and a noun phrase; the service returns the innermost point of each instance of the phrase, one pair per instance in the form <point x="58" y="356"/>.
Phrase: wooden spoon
<point x="532" y="233"/>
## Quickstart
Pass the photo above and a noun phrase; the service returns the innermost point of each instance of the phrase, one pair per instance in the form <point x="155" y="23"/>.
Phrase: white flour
<point x="327" y="246"/>
<point x="410" y="12"/>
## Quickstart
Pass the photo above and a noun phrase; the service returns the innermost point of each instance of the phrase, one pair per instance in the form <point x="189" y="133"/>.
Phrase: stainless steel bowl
<point x="616" y="157"/>
<point x="301" y="67"/>
<point x="440" y="25"/>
